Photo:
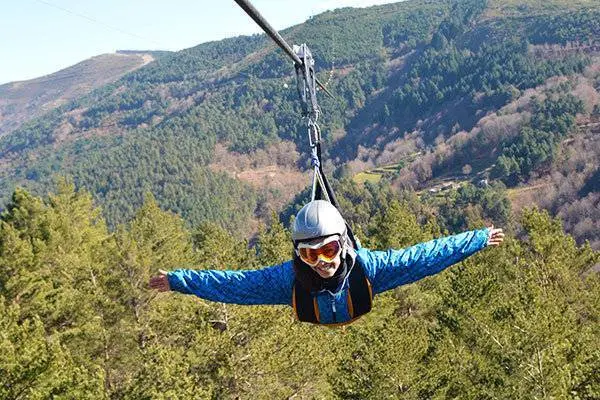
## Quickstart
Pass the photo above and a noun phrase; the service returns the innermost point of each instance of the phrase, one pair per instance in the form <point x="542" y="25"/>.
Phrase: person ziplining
<point x="330" y="279"/>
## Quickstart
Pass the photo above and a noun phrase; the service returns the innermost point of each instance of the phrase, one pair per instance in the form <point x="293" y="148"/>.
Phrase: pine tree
<point x="517" y="321"/>
<point x="34" y="366"/>
<point x="274" y="244"/>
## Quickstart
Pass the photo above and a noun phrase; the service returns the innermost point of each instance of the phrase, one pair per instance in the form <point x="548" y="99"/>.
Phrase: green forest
<point x="520" y="321"/>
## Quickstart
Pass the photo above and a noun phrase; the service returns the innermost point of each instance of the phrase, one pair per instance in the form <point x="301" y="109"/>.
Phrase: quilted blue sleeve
<point x="392" y="268"/>
<point x="271" y="285"/>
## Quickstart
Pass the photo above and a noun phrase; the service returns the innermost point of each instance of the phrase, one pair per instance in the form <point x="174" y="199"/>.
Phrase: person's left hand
<point x="495" y="237"/>
<point x="160" y="282"/>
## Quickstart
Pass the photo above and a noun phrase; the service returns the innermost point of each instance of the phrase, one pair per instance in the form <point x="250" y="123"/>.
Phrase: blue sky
<point x="43" y="36"/>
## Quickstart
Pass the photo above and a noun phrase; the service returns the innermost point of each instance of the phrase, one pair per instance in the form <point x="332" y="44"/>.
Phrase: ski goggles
<point x="327" y="250"/>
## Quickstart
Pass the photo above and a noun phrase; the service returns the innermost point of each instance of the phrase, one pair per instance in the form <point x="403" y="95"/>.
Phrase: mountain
<point x="503" y="92"/>
<point x="25" y="100"/>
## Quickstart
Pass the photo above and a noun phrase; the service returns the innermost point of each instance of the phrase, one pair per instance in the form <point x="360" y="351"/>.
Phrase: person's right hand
<point x="160" y="282"/>
<point x="496" y="236"/>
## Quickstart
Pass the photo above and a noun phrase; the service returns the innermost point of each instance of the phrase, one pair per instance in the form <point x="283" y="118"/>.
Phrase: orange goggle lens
<point x="328" y="252"/>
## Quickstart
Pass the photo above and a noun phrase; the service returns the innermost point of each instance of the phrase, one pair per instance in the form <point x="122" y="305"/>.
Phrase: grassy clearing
<point x="375" y="175"/>
<point x="367" y="176"/>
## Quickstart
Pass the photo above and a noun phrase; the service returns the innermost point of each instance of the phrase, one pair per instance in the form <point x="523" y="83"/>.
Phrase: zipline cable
<point x="98" y="22"/>
<point x="255" y="15"/>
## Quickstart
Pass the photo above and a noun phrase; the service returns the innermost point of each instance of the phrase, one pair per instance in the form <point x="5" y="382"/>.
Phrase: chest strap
<point x="359" y="302"/>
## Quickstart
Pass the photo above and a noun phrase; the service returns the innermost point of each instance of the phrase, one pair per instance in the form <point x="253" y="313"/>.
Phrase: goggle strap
<point x="326" y="240"/>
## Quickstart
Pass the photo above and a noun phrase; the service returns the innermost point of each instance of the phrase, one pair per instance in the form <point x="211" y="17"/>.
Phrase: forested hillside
<point x="443" y="90"/>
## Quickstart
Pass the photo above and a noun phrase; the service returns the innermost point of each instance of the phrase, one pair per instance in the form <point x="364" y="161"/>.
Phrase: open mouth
<point x="324" y="267"/>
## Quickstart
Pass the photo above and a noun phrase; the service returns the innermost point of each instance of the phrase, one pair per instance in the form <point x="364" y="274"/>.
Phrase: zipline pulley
<point x="305" y="76"/>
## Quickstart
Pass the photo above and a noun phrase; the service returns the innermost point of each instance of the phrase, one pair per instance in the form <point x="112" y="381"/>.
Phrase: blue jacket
<point x="385" y="270"/>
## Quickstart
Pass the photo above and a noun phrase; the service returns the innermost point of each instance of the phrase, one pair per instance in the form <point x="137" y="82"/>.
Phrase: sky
<point x="39" y="37"/>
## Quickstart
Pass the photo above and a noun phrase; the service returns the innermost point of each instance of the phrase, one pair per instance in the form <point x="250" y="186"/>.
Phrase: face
<point x="322" y="255"/>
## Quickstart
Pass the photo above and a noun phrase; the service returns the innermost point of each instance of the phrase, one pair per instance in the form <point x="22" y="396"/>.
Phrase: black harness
<point x="360" y="297"/>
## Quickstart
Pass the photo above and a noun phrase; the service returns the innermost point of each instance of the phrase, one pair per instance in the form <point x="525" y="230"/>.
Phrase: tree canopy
<point x="78" y="321"/>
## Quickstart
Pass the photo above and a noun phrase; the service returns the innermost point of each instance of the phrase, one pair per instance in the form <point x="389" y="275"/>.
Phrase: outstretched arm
<point x="393" y="268"/>
<point x="272" y="285"/>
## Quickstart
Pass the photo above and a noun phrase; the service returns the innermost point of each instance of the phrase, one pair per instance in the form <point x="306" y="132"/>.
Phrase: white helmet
<point x="317" y="219"/>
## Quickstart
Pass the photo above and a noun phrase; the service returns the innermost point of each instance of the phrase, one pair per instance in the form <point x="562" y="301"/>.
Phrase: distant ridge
<point x="153" y="53"/>
<point x="24" y="100"/>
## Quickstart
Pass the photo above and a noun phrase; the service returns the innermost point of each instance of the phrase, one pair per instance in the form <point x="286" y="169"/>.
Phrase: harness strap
<point x="304" y="305"/>
<point x="360" y="293"/>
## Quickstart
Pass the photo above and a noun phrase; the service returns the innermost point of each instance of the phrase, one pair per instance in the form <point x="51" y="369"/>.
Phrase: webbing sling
<point x="360" y="291"/>
<point x="360" y="299"/>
